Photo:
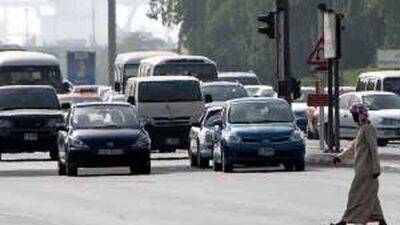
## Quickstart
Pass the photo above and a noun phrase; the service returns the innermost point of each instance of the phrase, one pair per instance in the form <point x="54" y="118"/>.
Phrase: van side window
<point x="379" y="85"/>
<point x="361" y="85"/>
<point x="371" y="84"/>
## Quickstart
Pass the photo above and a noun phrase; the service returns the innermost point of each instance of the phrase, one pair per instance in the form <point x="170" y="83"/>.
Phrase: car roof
<point x="27" y="58"/>
<point x="88" y="104"/>
<point x="163" y="78"/>
<point x="252" y="99"/>
<point x="136" y="57"/>
<point x="177" y="59"/>
<point x="220" y="83"/>
<point x="8" y="87"/>
<point x="236" y="74"/>
<point x="367" y="93"/>
<point x="381" y="74"/>
<point x="260" y="86"/>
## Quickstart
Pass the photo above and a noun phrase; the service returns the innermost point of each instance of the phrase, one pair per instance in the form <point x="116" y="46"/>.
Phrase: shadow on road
<point x="28" y="173"/>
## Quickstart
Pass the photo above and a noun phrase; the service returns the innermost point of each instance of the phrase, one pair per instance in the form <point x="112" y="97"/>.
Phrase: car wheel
<point x="217" y="166"/>
<point x="71" y="169"/>
<point x="1" y="158"/>
<point x="192" y="159"/>
<point x="300" y="165"/>
<point x="289" y="166"/>
<point x="382" y="142"/>
<point x="201" y="162"/>
<point x="62" y="169"/>
<point x="54" y="154"/>
<point x="226" y="166"/>
<point x="142" y="166"/>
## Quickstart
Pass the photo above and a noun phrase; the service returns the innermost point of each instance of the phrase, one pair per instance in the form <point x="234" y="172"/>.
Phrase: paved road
<point x="31" y="193"/>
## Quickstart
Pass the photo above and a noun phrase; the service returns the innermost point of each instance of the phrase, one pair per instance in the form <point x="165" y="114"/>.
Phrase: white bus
<point x="127" y="64"/>
<point x="31" y="68"/>
<point x="187" y="65"/>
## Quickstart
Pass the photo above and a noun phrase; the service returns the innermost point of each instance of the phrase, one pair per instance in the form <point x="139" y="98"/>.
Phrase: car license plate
<point x="111" y="151"/>
<point x="30" y="137"/>
<point x="172" y="141"/>
<point x="266" y="152"/>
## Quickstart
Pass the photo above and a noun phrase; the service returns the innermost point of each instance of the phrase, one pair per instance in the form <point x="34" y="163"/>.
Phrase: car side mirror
<point x="117" y="87"/>
<point x="131" y="100"/>
<point x="208" y="99"/>
<point x="66" y="105"/>
<point x="66" y="86"/>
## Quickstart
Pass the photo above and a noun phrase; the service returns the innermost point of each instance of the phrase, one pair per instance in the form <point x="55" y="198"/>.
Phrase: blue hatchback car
<point x="258" y="132"/>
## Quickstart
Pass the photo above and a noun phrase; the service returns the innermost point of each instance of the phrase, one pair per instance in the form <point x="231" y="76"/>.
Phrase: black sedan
<point x="103" y="135"/>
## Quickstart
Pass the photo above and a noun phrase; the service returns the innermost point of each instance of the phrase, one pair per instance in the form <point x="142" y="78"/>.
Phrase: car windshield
<point x="392" y="85"/>
<point x="224" y="92"/>
<point x="202" y="71"/>
<point x="259" y="112"/>
<point x="242" y="80"/>
<point x="379" y="102"/>
<point x="24" y="98"/>
<point x="104" y="117"/>
<point x="31" y="75"/>
<point x="260" y="92"/>
<point x="131" y="70"/>
<point x="169" y="91"/>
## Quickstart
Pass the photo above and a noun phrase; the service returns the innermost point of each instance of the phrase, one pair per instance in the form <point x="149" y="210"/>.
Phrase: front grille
<point x="249" y="140"/>
<point x="165" y="121"/>
<point x="280" y="139"/>
<point x="29" y="123"/>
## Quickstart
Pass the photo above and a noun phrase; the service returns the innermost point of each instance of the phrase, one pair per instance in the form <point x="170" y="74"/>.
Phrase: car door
<point x="206" y="134"/>
<point x="344" y="115"/>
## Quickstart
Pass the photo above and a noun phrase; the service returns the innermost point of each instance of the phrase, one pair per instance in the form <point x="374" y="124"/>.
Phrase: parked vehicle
<point x="31" y="68"/>
<point x="127" y="66"/>
<point x="386" y="80"/>
<point x="261" y="91"/>
<point x="202" y="138"/>
<point x="30" y="117"/>
<point x="384" y="114"/>
<point x="103" y="135"/>
<point x="168" y="106"/>
<point x="258" y="131"/>
<point x="245" y="78"/>
<point x="301" y="109"/>
<point x="222" y="91"/>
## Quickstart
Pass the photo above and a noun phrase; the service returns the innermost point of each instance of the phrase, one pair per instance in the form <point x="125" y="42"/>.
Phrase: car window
<point x="361" y="85"/>
<point x="378" y="85"/>
<point x="259" y="112"/>
<point x="371" y="84"/>
<point x="212" y="117"/>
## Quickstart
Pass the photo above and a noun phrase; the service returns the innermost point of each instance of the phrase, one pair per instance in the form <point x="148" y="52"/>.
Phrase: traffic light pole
<point x="112" y="46"/>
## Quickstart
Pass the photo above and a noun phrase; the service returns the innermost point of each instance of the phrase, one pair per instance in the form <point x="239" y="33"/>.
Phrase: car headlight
<point x="142" y="142"/>
<point x="5" y="124"/>
<point x="76" y="143"/>
<point x="297" y="135"/>
<point x="58" y="122"/>
<point x="234" y="139"/>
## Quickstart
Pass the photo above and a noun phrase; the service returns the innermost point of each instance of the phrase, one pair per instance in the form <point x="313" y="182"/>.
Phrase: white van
<point x="168" y="106"/>
<point x="188" y="65"/>
<point x="31" y="68"/>
<point x="127" y="65"/>
<point x="386" y="80"/>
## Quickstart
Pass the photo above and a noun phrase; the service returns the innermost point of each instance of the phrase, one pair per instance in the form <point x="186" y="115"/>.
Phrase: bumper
<point x="169" y="137"/>
<point x="255" y="154"/>
<point x="90" y="158"/>
<point x="16" y="142"/>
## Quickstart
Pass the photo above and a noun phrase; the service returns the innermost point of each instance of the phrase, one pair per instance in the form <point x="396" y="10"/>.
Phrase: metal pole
<point x="112" y="46"/>
<point x="93" y="24"/>
<point x="322" y="77"/>
<point x="337" y="80"/>
<point x="331" y="104"/>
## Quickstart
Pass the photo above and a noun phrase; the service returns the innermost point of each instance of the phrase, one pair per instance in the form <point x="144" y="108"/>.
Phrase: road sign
<point x="315" y="59"/>
<point x="330" y="39"/>
<point x="81" y="67"/>
<point x="317" y="100"/>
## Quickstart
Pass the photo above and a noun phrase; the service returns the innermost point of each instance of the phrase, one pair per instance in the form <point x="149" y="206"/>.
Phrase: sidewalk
<point x="390" y="156"/>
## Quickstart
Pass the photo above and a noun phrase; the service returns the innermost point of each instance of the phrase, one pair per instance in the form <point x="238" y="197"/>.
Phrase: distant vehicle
<point x="384" y="112"/>
<point x="202" y="138"/>
<point x="261" y="91"/>
<point x="127" y="65"/>
<point x="386" y="80"/>
<point x="113" y="96"/>
<point x="222" y="91"/>
<point x="300" y="108"/>
<point x="258" y="132"/>
<point x="188" y="65"/>
<point x="168" y="106"/>
<point x="245" y="78"/>
<point x="343" y="89"/>
<point x="30" y="117"/>
<point x="31" y="68"/>
<point x="103" y="135"/>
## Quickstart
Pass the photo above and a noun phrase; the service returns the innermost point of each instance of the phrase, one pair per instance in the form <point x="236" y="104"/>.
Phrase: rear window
<point x="28" y="99"/>
<point x="202" y="71"/>
<point x="169" y="91"/>
<point x="224" y="92"/>
<point x="242" y="80"/>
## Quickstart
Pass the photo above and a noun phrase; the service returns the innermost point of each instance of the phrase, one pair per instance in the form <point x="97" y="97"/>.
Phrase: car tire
<point x="1" y="157"/>
<point x="382" y="142"/>
<point x="201" y="162"/>
<point x="53" y="154"/>
<point x="226" y="166"/>
<point x="300" y="165"/>
<point x="71" y="169"/>
<point x="62" y="169"/>
<point x="217" y="166"/>
<point x="142" y="167"/>
<point x="289" y="166"/>
<point x="192" y="159"/>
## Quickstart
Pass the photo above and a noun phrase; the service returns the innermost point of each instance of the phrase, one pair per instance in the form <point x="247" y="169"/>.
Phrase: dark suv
<point x="30" y="118"/>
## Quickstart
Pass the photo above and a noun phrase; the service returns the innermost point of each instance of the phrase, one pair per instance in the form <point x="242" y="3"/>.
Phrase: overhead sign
<point x="330" y="39"/>
<point x="388" y="59"/>
<point x="81" y="67"/>
<point x="317" y="100"/>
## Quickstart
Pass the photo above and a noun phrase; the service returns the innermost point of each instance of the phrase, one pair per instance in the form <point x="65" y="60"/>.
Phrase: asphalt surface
<point x="32" y="193"/>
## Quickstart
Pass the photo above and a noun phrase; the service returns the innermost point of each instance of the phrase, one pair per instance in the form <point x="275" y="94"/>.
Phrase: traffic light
<point x="296" y="89"/>
<point x="269" y="19"/>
